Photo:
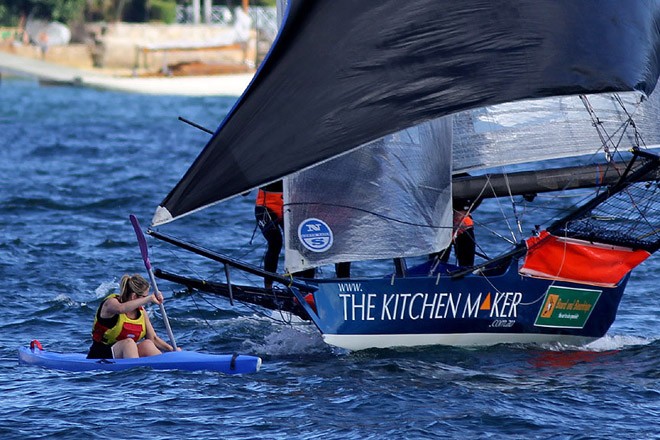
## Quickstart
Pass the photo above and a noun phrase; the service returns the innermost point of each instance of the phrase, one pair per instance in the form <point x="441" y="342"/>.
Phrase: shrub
<point x="162" y="10"/>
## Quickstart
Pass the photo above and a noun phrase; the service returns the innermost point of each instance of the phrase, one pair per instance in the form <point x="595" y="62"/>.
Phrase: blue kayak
<point x="177" y="360"/>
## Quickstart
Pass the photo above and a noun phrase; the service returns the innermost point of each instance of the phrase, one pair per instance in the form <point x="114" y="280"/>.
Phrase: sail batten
<point x="343" y="73"/>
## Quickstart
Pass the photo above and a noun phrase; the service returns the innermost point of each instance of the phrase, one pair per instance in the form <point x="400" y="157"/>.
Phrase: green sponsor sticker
<point x="567" y="307"/>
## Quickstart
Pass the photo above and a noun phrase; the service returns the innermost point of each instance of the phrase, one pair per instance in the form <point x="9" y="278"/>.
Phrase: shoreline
<point x="106" y="79"/>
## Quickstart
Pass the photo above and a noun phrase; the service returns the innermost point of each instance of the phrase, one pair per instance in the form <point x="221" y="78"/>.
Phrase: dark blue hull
<point x="469" y="311"/>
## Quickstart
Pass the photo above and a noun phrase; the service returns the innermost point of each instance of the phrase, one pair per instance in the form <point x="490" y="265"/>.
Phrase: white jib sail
<point x="390" y="198"/>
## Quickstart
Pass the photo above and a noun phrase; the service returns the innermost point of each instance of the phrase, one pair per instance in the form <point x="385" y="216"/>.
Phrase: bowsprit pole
<point x="142" y="241"/>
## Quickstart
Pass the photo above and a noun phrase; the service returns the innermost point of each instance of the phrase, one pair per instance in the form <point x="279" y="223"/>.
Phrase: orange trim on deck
<point x="579" y="261"/>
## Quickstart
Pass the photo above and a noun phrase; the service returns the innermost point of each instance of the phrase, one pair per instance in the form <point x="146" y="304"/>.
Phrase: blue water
<point x="75" y="162"/>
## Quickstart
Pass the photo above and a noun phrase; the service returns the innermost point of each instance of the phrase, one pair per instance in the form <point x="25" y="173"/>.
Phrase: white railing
<point x="263" y="19"/>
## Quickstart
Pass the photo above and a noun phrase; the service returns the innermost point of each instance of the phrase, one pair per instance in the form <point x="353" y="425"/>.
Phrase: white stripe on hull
<point x="361" y="342"/>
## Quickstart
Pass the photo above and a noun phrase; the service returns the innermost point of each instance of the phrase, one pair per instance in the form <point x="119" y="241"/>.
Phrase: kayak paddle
<point x="142" y="241"/>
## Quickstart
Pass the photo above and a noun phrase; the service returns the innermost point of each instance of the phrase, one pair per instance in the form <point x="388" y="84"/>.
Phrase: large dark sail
<point x="343" y="73"/>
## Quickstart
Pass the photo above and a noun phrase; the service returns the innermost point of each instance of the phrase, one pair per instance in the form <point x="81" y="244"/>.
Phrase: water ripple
<point x="69" y="180"/>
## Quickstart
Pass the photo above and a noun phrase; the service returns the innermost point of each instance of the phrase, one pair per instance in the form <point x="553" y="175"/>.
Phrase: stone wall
<point x="115" y="45"/>
<point x="73" y="55"/>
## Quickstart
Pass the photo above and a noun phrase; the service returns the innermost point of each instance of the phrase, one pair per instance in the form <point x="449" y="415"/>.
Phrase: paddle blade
<point x="142" y="241"/>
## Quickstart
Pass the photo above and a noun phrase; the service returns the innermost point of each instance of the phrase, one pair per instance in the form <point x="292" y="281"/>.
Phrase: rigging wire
<point x="608" y="143"/>
<point x="485" y="225"/>
<point x="253" y="308"/>
<point x="506" y="219"/>
<point x="366" y="211"/>
<point x="199" y="311"/>
<point x="629" y="122"/>
<point x="638" y="136"/>
<point x="639" y="141"/>
<point x="513" y="204"/>
<point x="596" y="122"/>
<point x="610" y="139"/>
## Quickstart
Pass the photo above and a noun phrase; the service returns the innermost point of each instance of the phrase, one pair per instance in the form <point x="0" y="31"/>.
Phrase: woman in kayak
<point x="121" y="323"/>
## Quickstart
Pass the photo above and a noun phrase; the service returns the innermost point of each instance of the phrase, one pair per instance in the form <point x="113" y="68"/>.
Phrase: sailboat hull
<point x="475" y="310"/>
<point x="362" y="342"/>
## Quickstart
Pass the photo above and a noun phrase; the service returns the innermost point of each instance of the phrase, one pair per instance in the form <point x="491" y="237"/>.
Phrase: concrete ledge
<point x="115" y="46"/>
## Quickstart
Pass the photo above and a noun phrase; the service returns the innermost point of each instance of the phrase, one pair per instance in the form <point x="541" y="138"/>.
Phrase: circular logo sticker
<point x="315" y="235"/>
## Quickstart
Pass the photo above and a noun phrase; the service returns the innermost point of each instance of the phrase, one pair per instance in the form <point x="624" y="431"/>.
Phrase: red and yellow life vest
<point x="272" y="200"/>
<point x="123" y="328"/>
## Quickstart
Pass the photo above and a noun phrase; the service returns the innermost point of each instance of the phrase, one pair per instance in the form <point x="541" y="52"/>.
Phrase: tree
<point x="12" y="11"/>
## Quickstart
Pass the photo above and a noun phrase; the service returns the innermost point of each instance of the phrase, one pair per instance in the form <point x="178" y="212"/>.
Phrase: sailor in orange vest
<point x="269" y="213"/>
<point x="463" y="238"/>
<point x="121" y="323"/>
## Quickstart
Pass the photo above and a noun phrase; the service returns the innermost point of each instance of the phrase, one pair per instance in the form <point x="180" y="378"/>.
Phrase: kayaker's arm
<point x="157" y="340"/>
<point x="113" y="306"/>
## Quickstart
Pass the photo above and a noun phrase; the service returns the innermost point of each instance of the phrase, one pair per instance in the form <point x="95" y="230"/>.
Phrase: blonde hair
<point x="130" y="284"/>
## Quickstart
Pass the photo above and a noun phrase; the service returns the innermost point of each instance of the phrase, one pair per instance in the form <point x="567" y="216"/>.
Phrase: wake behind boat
<point x="375" y="139"/>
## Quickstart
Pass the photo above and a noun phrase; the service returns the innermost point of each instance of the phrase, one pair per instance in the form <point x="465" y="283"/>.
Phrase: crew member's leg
<point x="307" y="273"/>
<point x="125" y="349"/>
<point x="343" y="270"/>
<point x="465" y="248"/>
<point x="148" y="348"/>
<point x="273" y="235"/>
